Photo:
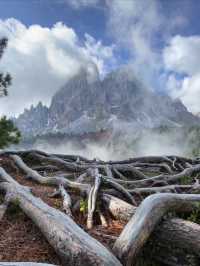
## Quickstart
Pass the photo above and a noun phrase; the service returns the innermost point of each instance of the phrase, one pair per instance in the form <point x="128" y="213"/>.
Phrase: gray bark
<point x="141" y="225"/>
<point x="71" y="243"/>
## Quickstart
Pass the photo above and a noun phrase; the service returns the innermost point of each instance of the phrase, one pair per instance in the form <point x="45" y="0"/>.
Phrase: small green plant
<point x="14" y="207"/>
<point x="195" y="214"/>
<point x="83" y="205"/>
<point x="147" y="263"/>
<point x="57" y="203"/>
<point x="1" y="199"/>
<point x="186" y="180"/>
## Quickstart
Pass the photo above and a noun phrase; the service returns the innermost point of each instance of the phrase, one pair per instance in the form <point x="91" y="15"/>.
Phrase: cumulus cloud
<point x="134" y="28"/>
<point x="181" y="57"/>
<point x="136" y="31"/>
<point x="77" y="4"/>
<point x="100" y="54"/>
<point x="182" y="54"/>
<point x="42" y="59"/>
<point x="142" y="27"/>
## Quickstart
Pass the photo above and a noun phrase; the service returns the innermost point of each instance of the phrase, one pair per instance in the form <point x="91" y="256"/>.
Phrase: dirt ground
<point x="21" y="240"/>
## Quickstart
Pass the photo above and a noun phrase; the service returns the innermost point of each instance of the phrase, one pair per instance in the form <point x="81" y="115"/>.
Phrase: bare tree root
<point x="24" y="264"/>
<point x="183" y="234"/>
<point x="121" y="189"/>
<point x="67" y="203"/>
<point x="92" y="198"/>
<point x="174" y="242"/>
<point x="147" y="216"/>
<point x="169" y="188"/>
<point x="71" y="243"/>
<point x="103" y="219"/>
<point x="3" y="208"/>
<point x="108" y="171"/>
<point x="120" y="209"/>
<point x="51" y="181"/>
<point x="120" y="175"/>
<point x="172" y="232"/>
<point x="117" y="187"/>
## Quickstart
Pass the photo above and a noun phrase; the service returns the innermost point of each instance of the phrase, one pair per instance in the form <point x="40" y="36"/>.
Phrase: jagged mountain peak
<point x="89" y="73"/>
<point x="85" y="104"/>
<point x="125" y="72"/>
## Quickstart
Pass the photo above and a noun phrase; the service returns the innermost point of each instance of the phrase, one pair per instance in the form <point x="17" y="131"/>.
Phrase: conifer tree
<point x="9" y="134"/>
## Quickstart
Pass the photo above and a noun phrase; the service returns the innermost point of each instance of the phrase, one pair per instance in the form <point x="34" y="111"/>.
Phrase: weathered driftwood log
<point x="70" y="157"/>
<point x="135" y="173"/>
<point x="3" y="208"/>
<point x="24" y="264"/>
<point x="103" y="219"/>
<point x="147" y="216"/>
<point x="148" y="181"/>
<point x="62" y="164"/>
<point x="174" y="242"/>
<point x="135" y="235"/>
<point x="179" y="233"/>
<point x="156" y="159"/>
<point x="145" y="159"/>
<point x="169" y="188"/>
<point x="120" y="188"/>
<point x="92" y="198"/>
<point x="154" y="166"/>
<point x="67" y="203"/>
<point x="45" y="167"/>
<point x="55" y="181"/>
<point x="23" y="152"/>
<point x="120" y="209"/>
<point x="167" y="236"/>
<point x="81" y="178"/>
<point x="71" y="243"/>
<point x="108" y="171"/>
<point x="118" y="174"/>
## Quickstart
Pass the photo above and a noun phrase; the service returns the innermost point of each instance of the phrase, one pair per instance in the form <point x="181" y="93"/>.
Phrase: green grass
<point x="186" y="180"/>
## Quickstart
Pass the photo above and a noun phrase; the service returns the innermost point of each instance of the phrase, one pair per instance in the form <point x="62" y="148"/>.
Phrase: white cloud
<point x="134" y="25"/>
<point x="100" y="54"/>
<point x="82" y="3"/>
<point x="41" y="60"/>
<point x="182" y="56"/>
<point x="143" y="27"/>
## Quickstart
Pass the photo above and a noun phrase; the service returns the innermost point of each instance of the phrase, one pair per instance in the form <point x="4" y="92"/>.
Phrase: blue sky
<point x="91" y="19"/>
<point x="159" y="39"/>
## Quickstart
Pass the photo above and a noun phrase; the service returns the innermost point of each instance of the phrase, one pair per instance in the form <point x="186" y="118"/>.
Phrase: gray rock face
<point x="119" y="101"/>
<point x="33" y="121"/>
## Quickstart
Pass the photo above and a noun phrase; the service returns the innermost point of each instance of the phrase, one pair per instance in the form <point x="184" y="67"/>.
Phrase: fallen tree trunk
<point x="128" y="180"/>
<point x="141" y="225"/>
<point x="92" y="198"/>
<point x="173" y="234"/>
<point x="24" y="264"/>
<point x="183" y="234"/>
<point x="71" y="243"/>
<point x="174" y="242"/>
<point x="52" y="180"/>
<point x="3" y="208"/>
<point x="119" y="209"/>
<point x="67" y="203"/>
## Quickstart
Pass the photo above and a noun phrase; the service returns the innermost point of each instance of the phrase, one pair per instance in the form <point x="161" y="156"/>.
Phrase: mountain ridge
<point x="118" y="102"/>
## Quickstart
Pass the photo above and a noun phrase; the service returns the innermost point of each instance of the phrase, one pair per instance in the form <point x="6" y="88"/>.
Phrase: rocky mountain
<point x="198" y="114"/>
<point x="34" y="120"/>
<point x="119" y="101"/>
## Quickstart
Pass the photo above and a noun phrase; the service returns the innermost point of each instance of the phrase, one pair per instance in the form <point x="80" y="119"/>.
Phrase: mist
<point x="173" y="141"/>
